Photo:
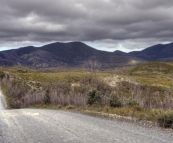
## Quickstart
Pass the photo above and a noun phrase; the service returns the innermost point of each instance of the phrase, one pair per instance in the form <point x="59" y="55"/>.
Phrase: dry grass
<point x="62" y="89"/>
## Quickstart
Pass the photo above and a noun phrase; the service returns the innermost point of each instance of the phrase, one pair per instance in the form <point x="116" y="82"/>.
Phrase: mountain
<point x="73" y="54"/>
<point x="158" y="52"/>
<point x="78" y="54"/>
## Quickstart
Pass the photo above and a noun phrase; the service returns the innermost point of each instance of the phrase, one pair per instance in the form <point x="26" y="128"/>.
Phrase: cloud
<point x="120" y="22"/>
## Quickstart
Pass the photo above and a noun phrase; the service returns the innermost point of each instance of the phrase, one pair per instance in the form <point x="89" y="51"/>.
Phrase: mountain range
<point x="160" y="52"/>
<point x="78" y="54"/>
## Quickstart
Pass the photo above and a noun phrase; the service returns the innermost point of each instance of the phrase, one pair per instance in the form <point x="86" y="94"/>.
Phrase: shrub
<point x="59" y="106"/>
<point x="47" y="97"/>
<point x="132" y="103"/>
<point x="138" y="108"/>
<point x="94" y="97"/>
<point x="114" y="101"/>
<point x="166" y="120"/>
<point x="2" y="74"/>
<point x="106" y="109"/>
<point x="70" y="107"/>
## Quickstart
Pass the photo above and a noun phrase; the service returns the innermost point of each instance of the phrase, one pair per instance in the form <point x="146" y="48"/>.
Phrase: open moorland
<point x="143" y="92"/>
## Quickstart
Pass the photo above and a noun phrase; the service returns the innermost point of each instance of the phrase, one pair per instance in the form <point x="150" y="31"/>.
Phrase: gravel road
<point x="54" y="126"/>
<point x="2" y="101"/>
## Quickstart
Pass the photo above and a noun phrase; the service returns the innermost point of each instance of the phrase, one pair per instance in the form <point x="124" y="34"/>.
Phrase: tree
<point x="93" y="65"/>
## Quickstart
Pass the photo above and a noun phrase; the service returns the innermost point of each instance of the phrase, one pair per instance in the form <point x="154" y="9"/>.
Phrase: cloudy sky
<point x="104" y="24"/>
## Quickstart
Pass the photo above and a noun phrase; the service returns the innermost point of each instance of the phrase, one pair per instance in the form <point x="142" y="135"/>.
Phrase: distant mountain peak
<point x="77" y="54"/>
<point x="118" y="51"/>
<point x="71" y="54"/>
<point x="159" y="52"/>
<point x="76" y="42"/>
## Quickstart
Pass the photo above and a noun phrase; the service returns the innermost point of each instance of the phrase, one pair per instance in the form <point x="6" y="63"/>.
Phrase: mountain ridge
<point x="159" y="52"/>
<point x="78" y="54"/>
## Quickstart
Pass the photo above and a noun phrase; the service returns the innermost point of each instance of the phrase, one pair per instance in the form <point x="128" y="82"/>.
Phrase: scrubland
<point x="144" y="92"/>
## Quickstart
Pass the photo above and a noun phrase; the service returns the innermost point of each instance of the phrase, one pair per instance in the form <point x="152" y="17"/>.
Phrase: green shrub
<point x="47" y="97"/>
<point x="94" y="97"/>
<point x="106" y="109"/>
<point x="59" y="106"/>
<point x="2" y="74"/>
<point x="114" y="101"/>
<point x="132" y="103"/>
<point x="70" y="107"/>
<point x="138" y="108"/>
<point x="166" y="120"/>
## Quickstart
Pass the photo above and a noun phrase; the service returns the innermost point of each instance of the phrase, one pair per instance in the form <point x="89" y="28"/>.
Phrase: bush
<point x="70" y="107"/>
<point x="94" y="97"/>
<point x="132" y="103"/>
<point x="138" y="108"/>
<point x="2" y="74"/>
<point x="47" y="97"/>
<point x="106" y="109"/>
<point x="114" y="101"/>
<point x="165" y="120"/>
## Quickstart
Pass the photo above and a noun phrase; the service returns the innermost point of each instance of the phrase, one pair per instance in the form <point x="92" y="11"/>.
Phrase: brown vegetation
<point x="83" y="89"/>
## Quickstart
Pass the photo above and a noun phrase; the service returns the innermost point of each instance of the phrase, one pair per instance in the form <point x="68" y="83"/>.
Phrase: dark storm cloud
<point x="110" y="22"/>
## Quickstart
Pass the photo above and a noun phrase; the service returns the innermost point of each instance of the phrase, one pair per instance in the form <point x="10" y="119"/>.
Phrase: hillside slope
<point x="73" y="54"/>
<point x="158" y="52"/>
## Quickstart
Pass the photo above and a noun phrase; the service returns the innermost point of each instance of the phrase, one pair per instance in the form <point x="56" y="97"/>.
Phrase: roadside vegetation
<point x="144" y="92"/>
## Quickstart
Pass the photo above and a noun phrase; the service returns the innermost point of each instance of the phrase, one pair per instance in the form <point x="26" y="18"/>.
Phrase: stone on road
<point x="54" y="126"/>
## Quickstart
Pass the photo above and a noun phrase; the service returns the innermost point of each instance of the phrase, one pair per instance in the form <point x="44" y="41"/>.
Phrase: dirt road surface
<point x="54" y="126"/>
